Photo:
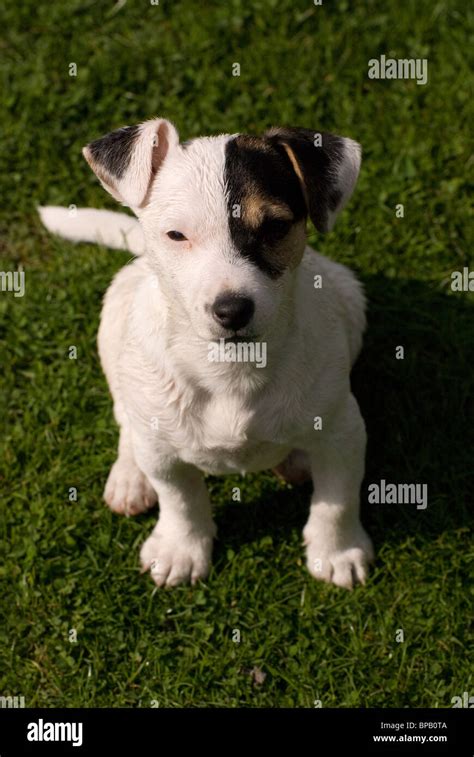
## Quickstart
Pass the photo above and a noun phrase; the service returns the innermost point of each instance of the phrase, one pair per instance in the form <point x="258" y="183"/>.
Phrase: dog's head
<point x="225" y="217"/>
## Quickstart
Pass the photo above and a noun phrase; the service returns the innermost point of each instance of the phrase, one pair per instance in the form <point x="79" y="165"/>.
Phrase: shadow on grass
<point x="419" y="416"/>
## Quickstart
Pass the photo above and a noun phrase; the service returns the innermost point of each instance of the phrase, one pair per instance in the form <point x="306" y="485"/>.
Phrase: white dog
<point x="223" y="268"/>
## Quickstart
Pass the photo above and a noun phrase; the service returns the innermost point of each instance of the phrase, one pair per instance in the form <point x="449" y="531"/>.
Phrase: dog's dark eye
<point x="275" y="228"/>
<point x="279" y="226"/>
<point x="176" y="236"/>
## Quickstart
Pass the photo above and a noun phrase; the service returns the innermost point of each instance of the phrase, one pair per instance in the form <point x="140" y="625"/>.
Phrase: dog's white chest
<point x="217" y="433"/>
<point x="224" y="422"/>
<point x="231" y="438"/>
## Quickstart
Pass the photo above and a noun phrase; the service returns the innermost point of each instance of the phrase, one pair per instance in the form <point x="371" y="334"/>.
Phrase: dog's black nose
<point x="232" y="311"/>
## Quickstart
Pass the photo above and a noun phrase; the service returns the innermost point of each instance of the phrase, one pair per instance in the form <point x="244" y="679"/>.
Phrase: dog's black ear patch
<point x="127" y="160"/>
<point x="114" y="151"/>
<point x="327" y="166"/>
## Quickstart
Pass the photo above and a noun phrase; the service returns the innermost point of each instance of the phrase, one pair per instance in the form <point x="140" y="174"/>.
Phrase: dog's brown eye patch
<point x="262" y="185"/>
<point x="176" y="236"/>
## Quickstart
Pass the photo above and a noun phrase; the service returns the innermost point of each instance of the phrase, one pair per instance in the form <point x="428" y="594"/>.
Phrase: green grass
<point x="71" y="565"/>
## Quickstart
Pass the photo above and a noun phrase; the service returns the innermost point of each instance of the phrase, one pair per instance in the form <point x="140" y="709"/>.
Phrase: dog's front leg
<point x="337" y="547"/>
<point x="180" y="546"/>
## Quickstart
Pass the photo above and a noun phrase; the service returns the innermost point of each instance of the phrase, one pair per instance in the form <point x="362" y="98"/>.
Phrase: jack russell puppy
<point x="223" y="274"/>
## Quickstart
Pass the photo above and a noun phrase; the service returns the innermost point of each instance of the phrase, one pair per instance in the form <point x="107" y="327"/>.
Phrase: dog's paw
<point x="177" y="559"/>
<point x="341" y="561"/>
<point x="128" y="491"/>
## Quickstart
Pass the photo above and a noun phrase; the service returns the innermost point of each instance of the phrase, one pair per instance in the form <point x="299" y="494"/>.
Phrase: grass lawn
<point x="74" y="565"/>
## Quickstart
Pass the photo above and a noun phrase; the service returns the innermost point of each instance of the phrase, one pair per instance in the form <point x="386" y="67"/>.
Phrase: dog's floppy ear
<point x="327" y="167"/>
<point x="127" y="160"/>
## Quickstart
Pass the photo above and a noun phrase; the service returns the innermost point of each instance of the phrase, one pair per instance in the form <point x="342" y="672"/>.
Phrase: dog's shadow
<point x="414" y="383"/>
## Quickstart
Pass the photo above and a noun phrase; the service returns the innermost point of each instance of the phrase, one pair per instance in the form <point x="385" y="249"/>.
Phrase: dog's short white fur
<point x="181" y="415"/>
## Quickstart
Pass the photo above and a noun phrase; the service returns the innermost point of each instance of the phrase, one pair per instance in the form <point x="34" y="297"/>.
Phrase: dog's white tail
<point x="117" y="230"/>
